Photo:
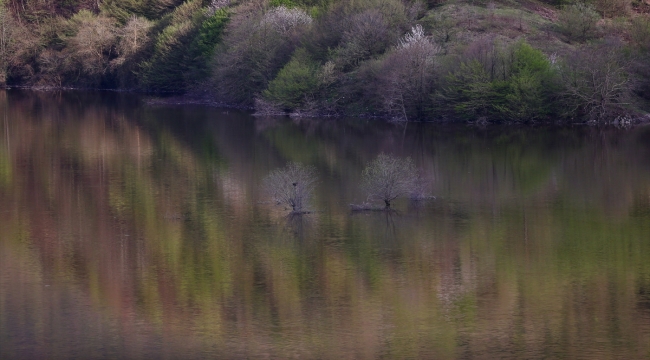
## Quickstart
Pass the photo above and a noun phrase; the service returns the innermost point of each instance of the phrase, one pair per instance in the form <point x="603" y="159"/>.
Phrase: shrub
<point x="388" y="177"/>
<point x="292" y="186"/>
<point x="578" y="21"/>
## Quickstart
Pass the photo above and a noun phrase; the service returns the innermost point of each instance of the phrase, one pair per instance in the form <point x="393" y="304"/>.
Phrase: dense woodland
<point x="433" y="60"/>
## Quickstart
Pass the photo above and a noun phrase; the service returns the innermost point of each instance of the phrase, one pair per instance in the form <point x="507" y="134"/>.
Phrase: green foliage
<point x="296" y="80"/>
<point x="285" y="3"/>
<point x="166" y="69"/>
<point x="210" y="33"/>
<point x="351" y="60"/>
<point x="469" y="91"/>
<point x="122" y="10"/>
<point x="204" y="43"/>
<point x="525" y="92"/>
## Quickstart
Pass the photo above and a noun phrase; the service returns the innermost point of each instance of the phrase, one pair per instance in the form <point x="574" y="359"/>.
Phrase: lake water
<point x="140" y="232"/>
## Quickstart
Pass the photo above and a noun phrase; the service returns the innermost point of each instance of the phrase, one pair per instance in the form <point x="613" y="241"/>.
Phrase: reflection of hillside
<point x="150" y="220"/>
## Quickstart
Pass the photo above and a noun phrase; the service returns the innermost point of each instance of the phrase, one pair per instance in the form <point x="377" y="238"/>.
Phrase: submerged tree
<point x="388" y="177"/>
<point x="292" y="185"/>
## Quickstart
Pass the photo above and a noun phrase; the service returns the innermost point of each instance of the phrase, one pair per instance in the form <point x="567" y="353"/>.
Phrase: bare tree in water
<point x="292" y="185"/>
<point x="388" y="177"/>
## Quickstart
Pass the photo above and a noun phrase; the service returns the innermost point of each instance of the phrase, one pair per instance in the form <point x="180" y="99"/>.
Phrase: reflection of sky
<point x="142" y="232"/>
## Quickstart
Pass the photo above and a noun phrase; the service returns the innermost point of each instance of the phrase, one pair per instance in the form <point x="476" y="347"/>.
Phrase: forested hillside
<point x="477" y="60"/>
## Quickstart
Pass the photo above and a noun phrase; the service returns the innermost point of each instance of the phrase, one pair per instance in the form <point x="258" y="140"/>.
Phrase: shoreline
<point x="176" y="99"/>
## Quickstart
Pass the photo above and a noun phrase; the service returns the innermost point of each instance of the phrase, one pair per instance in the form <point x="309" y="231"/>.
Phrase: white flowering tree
<point x="408" y="74"/>
<point x="283" y="19"/>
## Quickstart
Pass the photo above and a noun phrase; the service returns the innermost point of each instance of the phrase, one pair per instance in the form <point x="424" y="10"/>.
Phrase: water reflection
<point x="140" y="232"/>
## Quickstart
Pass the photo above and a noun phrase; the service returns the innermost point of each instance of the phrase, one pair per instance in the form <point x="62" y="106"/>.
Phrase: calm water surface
<point x="138" y="232"/>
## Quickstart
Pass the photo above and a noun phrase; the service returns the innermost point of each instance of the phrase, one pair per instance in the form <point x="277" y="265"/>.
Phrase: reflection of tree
<point x="93" y="181"/>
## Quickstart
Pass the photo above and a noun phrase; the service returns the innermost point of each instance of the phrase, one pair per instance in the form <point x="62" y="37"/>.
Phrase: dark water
<point x="138" y="232"/>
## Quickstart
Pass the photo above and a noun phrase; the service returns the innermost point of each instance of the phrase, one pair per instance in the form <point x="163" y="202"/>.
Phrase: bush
<point x="578" y="21"/>
<point x="292" y="186"/>
<point x="388" y="177"/>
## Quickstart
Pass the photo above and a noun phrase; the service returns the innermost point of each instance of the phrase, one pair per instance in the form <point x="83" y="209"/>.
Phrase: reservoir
<point x="138" y="231"/>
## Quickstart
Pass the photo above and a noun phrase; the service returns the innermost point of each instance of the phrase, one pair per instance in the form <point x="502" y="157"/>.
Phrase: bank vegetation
<point x="424" y="60"/>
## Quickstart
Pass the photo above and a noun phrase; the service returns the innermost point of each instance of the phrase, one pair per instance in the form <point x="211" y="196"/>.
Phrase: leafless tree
<point x="597" y="82"/>
<point x="133" y="36"/>
<point x="292" y="185"/>
<point x="388" y="177"/>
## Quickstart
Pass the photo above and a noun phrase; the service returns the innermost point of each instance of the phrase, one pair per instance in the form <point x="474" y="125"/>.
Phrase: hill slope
<point x="472" y="60"/>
